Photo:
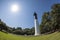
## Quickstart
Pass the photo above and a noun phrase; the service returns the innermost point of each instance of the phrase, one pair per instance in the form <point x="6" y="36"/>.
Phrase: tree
<point x="32" y="31"/>
<point x="18" y="28"/>
<point x="55" y="14"/>
<point x="51" y="20"/>
<point x="13" y="29"/>
<point x="3" y="26"/>
<point x="46" y="21"/>
<point x="27" y="31"/>
<point x="18" y="31"/>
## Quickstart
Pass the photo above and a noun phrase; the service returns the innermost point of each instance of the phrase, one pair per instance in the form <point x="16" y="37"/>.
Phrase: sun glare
<point x="14" y="8"/>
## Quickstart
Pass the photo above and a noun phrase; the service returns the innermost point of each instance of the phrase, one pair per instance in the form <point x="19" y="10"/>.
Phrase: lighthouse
<point x="37" y="30"/>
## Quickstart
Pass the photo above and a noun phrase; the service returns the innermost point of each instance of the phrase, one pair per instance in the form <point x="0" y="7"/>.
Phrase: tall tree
<point x="55" y="14"/>
<point x="45" y="24"/>
<point x="3" y="26"/>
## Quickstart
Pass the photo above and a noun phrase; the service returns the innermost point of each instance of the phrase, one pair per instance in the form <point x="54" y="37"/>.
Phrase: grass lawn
<point x="53" y="36"/>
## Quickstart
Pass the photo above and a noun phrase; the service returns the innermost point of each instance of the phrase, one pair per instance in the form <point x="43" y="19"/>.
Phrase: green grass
<point x="53" y="36"/>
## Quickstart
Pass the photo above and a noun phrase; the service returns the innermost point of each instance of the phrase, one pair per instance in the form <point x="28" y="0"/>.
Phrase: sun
<point x="14" y="8"/>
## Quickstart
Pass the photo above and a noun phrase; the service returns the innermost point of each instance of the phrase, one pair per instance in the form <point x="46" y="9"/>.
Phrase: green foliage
<point x="45" y="24"/>
<point x="20" y="31"/>
<point x="3" y="26"/>
<point x="51" y="20"/>
<point x="55" y="14"/>
<point x="28" y="31"/>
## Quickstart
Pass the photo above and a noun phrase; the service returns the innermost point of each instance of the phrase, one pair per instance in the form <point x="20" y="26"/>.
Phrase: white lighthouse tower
<point x="37" y="31"/>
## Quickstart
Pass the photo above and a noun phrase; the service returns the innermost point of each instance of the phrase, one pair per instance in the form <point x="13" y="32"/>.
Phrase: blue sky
<point x="24" y="18"/>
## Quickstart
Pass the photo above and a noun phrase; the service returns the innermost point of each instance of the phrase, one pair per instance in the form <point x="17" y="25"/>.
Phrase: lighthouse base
<point x="37" y="34"/>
